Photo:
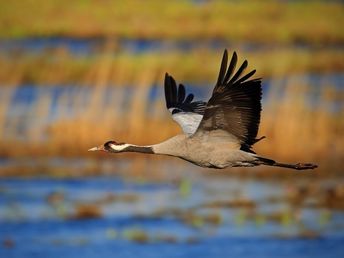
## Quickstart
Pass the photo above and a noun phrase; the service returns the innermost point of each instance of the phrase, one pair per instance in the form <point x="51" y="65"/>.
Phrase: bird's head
<point x="110" y="146"/>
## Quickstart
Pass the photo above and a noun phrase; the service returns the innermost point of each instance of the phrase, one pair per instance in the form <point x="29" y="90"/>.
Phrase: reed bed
<point x="121" y="68"/>
<point x="297" y="128"/>
<point x="269" y="21"/>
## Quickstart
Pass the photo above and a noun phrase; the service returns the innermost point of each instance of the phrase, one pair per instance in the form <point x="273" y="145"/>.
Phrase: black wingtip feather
<point x="189" y="98"/>
<point x="247" y="76"/>
<point x="239" y="72"/>
<point x="173" y="88"/>
<point x="231" y="67"/>
<point x="223" y="68"/>
<point x="181" y="93"/>
<point x="167" y="91"/>
<point x="170" y="91"/>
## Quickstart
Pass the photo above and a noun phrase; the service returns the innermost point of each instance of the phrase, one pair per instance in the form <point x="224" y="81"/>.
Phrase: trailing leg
<point x="297" y="166"/>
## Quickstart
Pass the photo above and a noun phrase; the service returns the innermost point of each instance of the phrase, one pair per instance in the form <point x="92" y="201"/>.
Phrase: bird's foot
<point x="302" y="166"/>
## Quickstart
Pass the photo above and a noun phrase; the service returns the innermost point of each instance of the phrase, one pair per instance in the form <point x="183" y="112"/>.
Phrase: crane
<point x="219" y="133"/>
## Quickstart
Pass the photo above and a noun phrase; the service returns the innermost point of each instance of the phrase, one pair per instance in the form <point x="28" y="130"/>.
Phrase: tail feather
<point x="298" y="166"/>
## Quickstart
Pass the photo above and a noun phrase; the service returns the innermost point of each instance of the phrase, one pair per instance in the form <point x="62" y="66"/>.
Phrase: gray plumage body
<point x="206" y="150"/>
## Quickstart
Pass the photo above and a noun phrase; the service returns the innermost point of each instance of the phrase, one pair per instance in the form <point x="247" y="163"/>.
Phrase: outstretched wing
<point x="187" y="113"/>
<point x="235" y="105"/>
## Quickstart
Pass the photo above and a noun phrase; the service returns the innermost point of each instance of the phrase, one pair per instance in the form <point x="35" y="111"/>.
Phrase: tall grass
<point x="120" y="68"/>
<point x="283" y="22"/>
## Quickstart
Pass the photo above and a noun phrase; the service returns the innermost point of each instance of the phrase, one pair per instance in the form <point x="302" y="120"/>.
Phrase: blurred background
<point x="75" y="74"/>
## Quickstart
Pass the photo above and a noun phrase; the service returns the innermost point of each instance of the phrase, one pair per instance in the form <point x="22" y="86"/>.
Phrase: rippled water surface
<point x="193" y="217"/>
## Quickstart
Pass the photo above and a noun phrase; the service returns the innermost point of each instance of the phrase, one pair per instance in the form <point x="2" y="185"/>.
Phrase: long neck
<point x="136" y="148"/>
<point x="173" y="147"/>
<point x="130" y="148"/>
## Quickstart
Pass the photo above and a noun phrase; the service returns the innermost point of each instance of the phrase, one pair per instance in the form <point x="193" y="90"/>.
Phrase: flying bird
<point x="219" y="133"/>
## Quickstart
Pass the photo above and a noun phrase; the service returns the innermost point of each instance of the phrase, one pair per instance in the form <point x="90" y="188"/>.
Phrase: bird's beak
<point x="94" y="149"/>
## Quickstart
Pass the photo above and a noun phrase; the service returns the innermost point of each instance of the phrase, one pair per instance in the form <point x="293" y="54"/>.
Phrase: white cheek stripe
<point x="118" y="147"/>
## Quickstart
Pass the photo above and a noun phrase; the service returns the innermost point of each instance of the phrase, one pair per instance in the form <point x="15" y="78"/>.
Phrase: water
<point x="39" y="218"/>
<point x="90" y="46"/>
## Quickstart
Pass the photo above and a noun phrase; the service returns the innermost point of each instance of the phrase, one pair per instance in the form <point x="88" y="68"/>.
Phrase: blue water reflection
<point x="33" y="223"/>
